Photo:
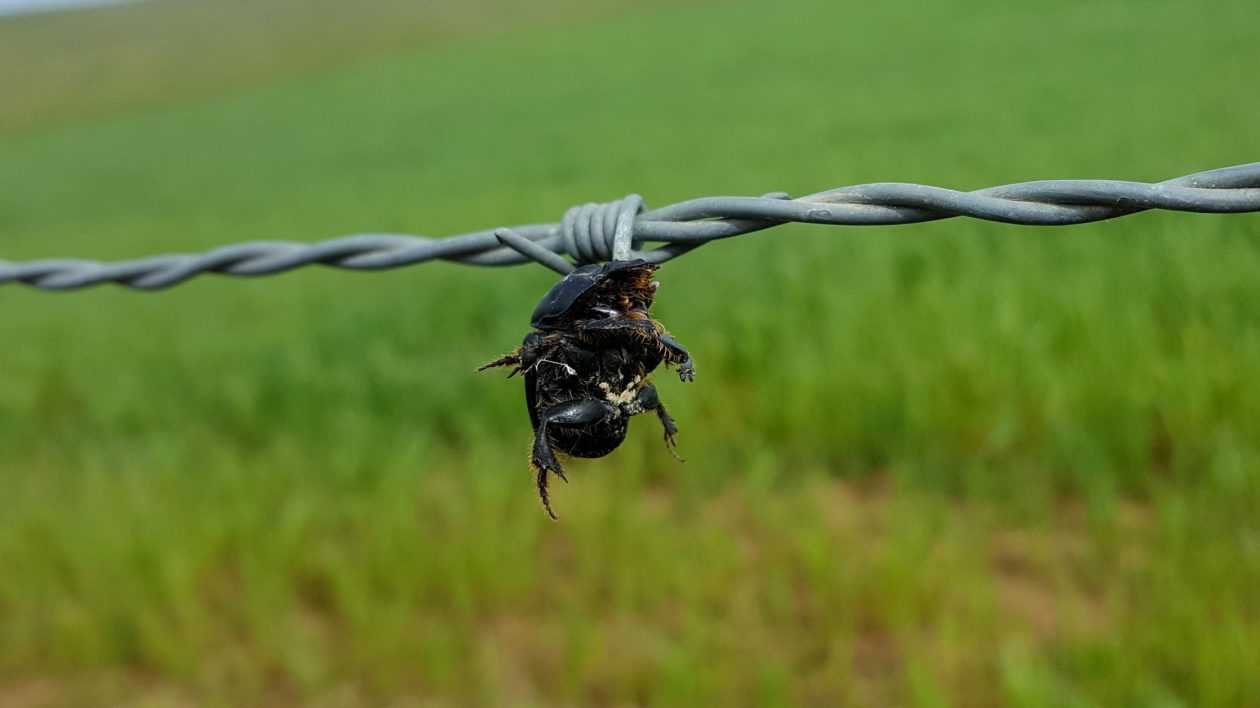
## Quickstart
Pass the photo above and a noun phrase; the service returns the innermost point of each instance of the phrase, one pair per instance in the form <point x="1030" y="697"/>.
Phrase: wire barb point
<point x="529" y="249"/>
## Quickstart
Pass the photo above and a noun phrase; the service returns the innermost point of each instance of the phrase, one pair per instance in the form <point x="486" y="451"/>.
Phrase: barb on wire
<point x="618" y="230"/>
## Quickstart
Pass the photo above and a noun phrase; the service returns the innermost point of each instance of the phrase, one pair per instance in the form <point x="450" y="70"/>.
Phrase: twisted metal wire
<point x="618" y="230"/>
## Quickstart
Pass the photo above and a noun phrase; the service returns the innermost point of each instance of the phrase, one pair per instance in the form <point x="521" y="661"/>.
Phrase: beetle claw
<point x="687" y="372"/>
<point x="672" y="446"/>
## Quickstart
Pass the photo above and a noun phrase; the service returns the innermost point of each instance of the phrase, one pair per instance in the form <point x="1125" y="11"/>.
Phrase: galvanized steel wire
<point x="619" y="230"/>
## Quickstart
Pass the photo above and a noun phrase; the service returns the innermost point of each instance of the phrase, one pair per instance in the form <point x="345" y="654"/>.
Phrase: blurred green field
<point x="955" y="463"/>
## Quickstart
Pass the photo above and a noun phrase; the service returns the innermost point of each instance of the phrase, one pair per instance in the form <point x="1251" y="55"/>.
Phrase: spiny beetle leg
<point x="649" y="400"/>
<point x="671" y="429"/>
<point x="678" y="354"/>
<point x="574" y="414"/>
<point x="617" y="324"/>
<point x="512" y="359"/>
<point x="540" y="479"/>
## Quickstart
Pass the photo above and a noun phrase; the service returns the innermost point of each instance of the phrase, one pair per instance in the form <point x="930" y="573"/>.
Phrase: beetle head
<point x="614" y="289"/>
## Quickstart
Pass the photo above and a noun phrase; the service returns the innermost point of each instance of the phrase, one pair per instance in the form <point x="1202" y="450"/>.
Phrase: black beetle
<point x="586" y="364"/>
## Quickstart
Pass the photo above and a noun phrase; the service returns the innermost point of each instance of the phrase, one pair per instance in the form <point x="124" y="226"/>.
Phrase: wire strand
<point x="595" y="232"/>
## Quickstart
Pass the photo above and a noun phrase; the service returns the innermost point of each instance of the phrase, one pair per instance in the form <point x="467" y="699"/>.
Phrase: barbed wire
<point x="620" y="229"/>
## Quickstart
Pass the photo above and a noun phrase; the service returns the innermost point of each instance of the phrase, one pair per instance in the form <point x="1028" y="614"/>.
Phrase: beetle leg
<point x="572" y="414"/>
<point x="677" y="354"/>
<point x="523" y="358"/>
<point x="618" y="324"/>
<point x="649" y="400"/>
<point x="513" y="359"/>
<point x="649" y="330"/>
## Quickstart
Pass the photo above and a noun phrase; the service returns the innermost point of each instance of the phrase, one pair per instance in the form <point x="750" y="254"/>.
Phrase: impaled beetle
<point x="587" y="362"/>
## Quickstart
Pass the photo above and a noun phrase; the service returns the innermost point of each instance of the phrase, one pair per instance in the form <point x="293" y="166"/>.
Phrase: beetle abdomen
<point x="596" y="441"/>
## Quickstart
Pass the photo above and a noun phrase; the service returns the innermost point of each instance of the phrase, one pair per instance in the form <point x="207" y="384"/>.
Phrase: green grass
<point x="948" y="464"/>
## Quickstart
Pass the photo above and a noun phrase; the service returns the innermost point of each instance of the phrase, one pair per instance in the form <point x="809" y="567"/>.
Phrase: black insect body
<point x="587" y="363"/>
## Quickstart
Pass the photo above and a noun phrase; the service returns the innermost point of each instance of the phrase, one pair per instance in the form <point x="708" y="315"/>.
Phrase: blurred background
<point x="955" y="463"/>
